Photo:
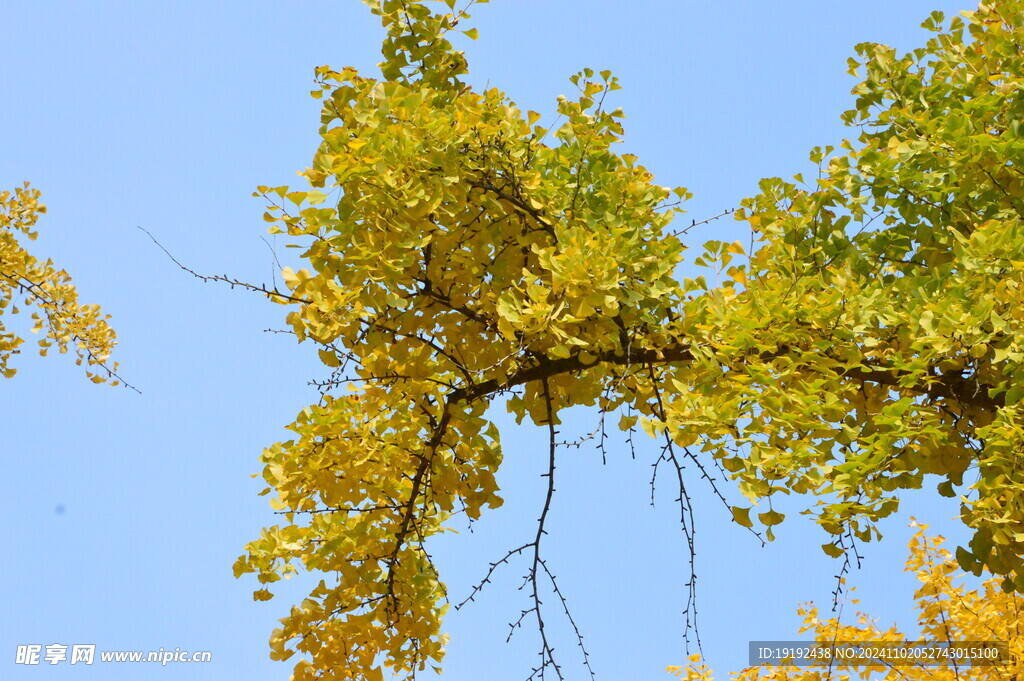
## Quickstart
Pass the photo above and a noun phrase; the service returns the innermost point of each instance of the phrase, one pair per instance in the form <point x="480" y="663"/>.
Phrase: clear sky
<point x="125" y="512"/>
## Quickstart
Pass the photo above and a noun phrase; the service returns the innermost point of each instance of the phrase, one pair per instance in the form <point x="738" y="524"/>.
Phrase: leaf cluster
<point x="947" y="611"/>
<point x="28" y="282"/>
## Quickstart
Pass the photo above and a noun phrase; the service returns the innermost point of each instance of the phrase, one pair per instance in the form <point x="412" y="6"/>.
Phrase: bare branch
<point x="223" y="278"/>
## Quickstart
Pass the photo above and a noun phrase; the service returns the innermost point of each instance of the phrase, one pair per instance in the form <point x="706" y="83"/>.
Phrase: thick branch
<point x="949" y="385"/>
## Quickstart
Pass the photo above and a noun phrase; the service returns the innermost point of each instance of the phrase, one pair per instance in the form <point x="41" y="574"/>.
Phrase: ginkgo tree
<point x="964" y="634"/>
<point x="460" y="253"/>
<point x="48" y="291"/>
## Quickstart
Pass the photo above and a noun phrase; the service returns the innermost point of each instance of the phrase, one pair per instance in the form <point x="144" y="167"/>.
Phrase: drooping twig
<point x="686" y="519"/>
<point x="568" y="614"/>
<point x="547" y="652"/>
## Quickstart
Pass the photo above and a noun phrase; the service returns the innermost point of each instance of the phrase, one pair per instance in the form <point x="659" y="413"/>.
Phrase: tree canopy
<point x="48" y="290"/>
<point x="460" y="254"/>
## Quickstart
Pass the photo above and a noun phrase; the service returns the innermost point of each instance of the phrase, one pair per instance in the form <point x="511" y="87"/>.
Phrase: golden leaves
<point x="948" y="611"/>
<point x="459" y="246"/>
<point x="871" y="336"/>
<point x="49" y="291"/>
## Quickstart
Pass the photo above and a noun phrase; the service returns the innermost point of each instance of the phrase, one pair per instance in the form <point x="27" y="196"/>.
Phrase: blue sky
<point x="124" y="512"/>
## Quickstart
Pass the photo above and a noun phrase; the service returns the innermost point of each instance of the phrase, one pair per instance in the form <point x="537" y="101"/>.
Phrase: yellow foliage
<point x="40" y="285"/>
<point x="947" y="611"/>
<point x="458" y="253"/>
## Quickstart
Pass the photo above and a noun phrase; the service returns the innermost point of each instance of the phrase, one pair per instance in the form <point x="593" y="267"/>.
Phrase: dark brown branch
<point x="547" y="652"/>
<point x="487" y="578"/>
<point x="697" y="223"/>
<point x="426" y="461"/>
<point x="686" y="519"/>
<point x="223" y="278"/>
<point x="947" y="385"/>
<point x="515" y="201"/>
<point x="341" y="509"/>
<point x="565" y="607"/>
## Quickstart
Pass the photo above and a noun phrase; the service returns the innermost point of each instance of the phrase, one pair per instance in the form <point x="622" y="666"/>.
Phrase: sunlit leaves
<point x="947" y="611"/>
<point x="458" y="252"/>
<point x="877" y="335"/>
<point x="49" y="293"/>
<point x="455" y="251"/>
